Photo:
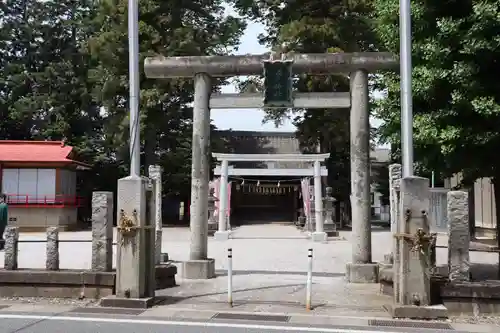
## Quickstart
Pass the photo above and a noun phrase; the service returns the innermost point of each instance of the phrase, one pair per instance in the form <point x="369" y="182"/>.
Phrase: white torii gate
<point x="319" y="235"/>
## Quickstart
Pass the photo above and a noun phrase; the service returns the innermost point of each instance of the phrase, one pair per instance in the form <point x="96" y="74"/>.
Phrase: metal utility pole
<point x="133" y="68"/>
<point x="406" y="93"/>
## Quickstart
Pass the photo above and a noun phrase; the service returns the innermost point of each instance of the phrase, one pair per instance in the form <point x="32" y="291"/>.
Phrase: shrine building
<point x="264" y="191"/>
<point x="39" y="179"/>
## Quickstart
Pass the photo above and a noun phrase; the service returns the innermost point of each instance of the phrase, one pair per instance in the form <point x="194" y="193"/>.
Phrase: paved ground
<point x="269" y="275"/>
<point x="63" y="322"/>
<point x="282" y="255"/>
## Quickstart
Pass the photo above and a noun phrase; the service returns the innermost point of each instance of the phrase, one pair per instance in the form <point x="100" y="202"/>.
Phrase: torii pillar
<point x="203" y="68"/>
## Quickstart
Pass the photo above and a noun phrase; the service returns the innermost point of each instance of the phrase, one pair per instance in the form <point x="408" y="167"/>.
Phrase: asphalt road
<point x="39" y="323"/>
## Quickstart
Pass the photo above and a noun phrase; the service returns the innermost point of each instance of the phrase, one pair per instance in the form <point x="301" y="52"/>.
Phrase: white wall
<point x="33" y="185"/>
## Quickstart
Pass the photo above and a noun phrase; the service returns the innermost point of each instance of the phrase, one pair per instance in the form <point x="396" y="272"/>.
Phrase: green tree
<point x="456" y="92"/>
<point x="167" y="28"/>
<point x="312" y="26"/>
<point x="44" y="88"/>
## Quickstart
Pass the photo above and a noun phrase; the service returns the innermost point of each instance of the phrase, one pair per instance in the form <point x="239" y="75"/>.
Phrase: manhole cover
<point x="410" y="324"/>
<point x="254" y="317"/>
<point x="113" y="311"/>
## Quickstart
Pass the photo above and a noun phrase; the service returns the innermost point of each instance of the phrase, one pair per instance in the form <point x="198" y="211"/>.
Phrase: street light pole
<point x="133" y="68"/>
<point x="406" y="93"/>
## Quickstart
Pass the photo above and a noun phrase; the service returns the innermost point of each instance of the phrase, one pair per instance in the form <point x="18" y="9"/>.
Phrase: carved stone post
<point x="52" y="260"/>
<point x="102" y="231"/>
<point x="458" y="236"/>
<point x="155" y="175"/>
<point x="330" y="225"/>
<point x="394" y="181"/>
<point x="11" y="235"/>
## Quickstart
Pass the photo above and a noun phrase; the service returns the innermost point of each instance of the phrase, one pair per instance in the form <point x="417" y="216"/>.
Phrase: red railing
<point x="56" y="201"/>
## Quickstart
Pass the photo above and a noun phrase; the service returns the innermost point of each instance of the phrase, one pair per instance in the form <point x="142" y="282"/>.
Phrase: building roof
<point x="257" y="142"/>
<point x="265" y="142"/>
<point x="19" y="151"/>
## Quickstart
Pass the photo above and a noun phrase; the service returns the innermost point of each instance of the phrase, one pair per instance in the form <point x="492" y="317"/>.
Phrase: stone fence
<point x="451" y="285"/>
<point x="102" y="253"/>
<point x="96" y="282"/>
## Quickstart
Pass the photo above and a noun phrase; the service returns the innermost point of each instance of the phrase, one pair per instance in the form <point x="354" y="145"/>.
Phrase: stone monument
<point x="458" y="236"/>
<point x="330" y="225"/>
<point x="413" y="265"/>
<point x="135" y="268"/>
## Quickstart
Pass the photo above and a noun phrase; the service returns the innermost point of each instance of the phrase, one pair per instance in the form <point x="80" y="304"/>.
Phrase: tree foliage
<point x="166" y="28"/>
<point x="455" y="90"/>
<point x="456" y="95"/>
<point x="64" y="76"/>
<point x="313" y="26"/>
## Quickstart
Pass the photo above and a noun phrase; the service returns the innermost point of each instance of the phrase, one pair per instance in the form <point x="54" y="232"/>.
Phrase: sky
<point x="247" y="119"/>
<point x="250" y="119"/>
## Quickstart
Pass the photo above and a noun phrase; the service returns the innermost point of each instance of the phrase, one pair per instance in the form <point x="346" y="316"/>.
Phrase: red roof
<point x="36" y="151"/>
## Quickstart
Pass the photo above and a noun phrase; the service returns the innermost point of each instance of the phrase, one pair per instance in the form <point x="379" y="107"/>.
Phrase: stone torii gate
<point x="278" y="93"/>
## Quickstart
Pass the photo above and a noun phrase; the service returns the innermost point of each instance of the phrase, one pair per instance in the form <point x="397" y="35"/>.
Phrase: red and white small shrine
<point x="39" y="180"/>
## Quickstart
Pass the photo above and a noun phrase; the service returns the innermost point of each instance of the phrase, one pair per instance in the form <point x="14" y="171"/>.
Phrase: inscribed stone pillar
<point x="11" y="235"/>
<point x="199" y="266"/>
<point x="102" y="231"/>
<point x="394" y="182"/>
<point x="458" y="236"/>
<point x="135" y="254"/>
<point x="413" y="278"/>
<point x="393" y="258"/>
<point x="155" y="172"/>
<point x="361" y="269"/>
<point x="319" y="234"/>
<point x="52" y="260"/>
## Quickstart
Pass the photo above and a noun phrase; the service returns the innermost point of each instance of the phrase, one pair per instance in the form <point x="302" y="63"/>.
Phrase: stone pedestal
<point x="135" y="269"/>
<point x="102" y="231"/>
<point x="362" y="273"/>
<point x="198" y="269"/>
<point x="413" y="260"/>
<point x="222" y="235"/>
<point x="319" y="236"/>
<point x="458" y="236"/>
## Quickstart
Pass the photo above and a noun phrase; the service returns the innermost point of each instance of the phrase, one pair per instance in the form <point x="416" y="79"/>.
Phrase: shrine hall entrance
<point x="276" y="189"/>
<point x="257" y="201"/>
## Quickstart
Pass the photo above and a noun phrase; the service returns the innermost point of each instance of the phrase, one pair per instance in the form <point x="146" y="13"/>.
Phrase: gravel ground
<point x="48" y="301"/>
<point x="491" y="320"/>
